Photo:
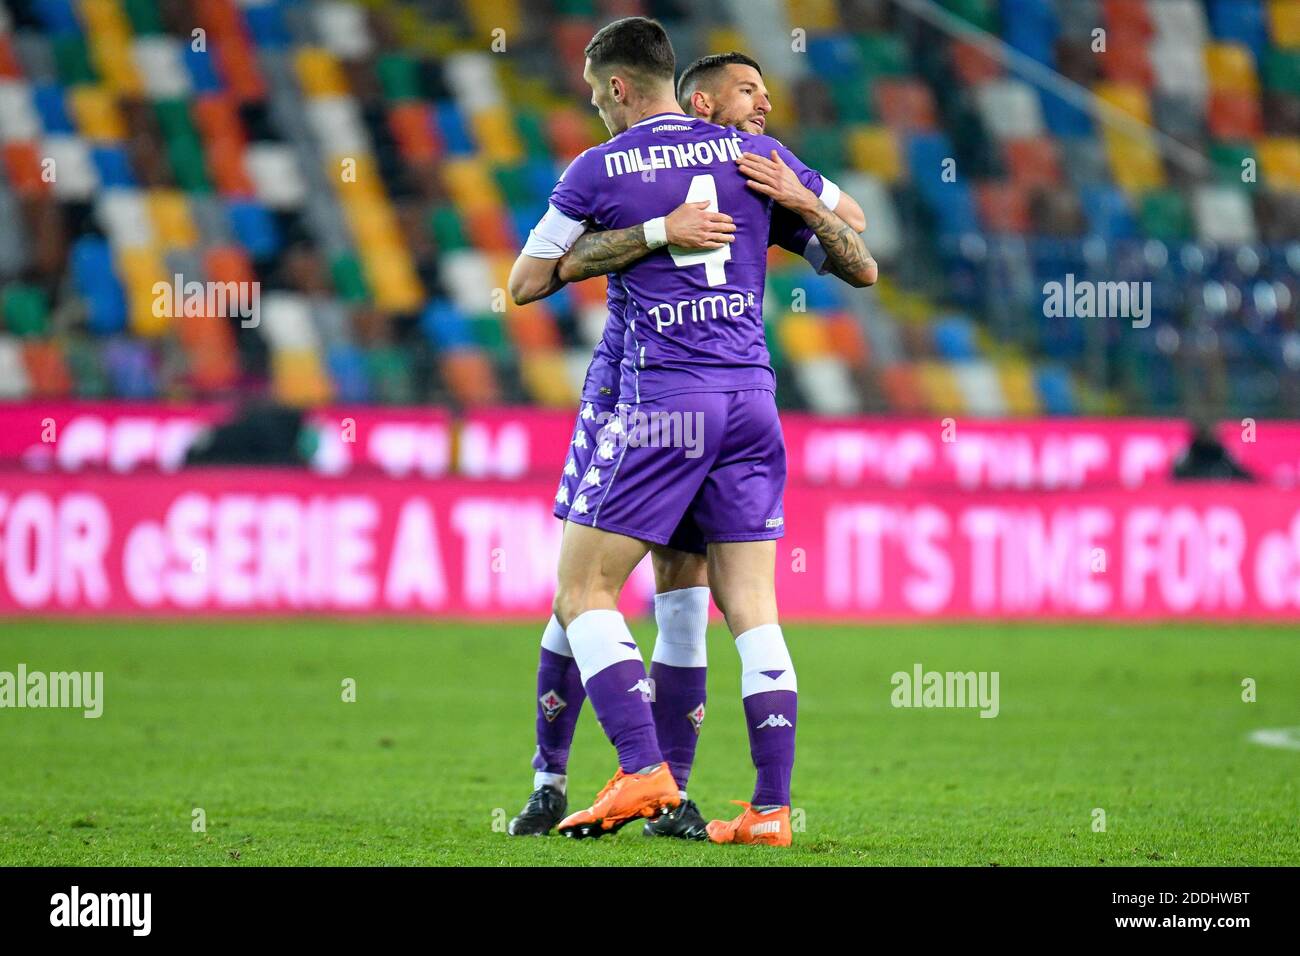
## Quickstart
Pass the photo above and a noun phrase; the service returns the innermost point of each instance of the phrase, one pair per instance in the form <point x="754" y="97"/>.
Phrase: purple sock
<point x="771" y="719"/>
<point x="678" y="708"/>
<point x="678" y="668"/>
<point x="559" y="701"/>
<point x="770" y="692"/>
<point x="615" y="679"/>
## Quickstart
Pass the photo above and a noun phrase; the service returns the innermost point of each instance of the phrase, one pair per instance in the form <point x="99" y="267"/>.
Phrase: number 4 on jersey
<point x="704" y="189"/>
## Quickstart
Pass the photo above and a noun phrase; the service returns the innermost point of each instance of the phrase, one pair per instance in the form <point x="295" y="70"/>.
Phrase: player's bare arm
<point x="850" y="260"/>
<point x="532" y="278"/>
<point x="849" y="210"/>
<point x="689" y="226"/>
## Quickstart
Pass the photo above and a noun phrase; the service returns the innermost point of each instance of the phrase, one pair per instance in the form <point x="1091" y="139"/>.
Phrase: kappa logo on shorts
<point x="580" y="439"/>
<point x="775" y="522"/>
<point x="592" y="477"/>
<point x="562" y="496"/>
<point x="552" y="703"/>
<point x="696" y="717"/>
<point x="588" y="412"/>
<point x="774" y="720"/>
<point x="580" y="504"/>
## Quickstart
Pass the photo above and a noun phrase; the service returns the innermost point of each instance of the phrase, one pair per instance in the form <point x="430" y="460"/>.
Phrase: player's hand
<point x="692" y="226"/>
<point x="772" y="177"/>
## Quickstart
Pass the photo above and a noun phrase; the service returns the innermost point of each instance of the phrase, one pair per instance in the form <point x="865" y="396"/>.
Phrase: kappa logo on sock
<point x="774" y="720"/>
<point x="646" y="687"/>
<point x="552" y="703"/>
<point x="696" y="717"/>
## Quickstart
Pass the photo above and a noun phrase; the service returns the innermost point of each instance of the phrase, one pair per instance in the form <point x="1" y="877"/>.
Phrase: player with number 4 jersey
<point x="694" y="353"/>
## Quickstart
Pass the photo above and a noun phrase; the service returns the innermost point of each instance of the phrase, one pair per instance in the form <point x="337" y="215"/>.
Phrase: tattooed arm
<point x="689" y="226"/>
<point x="845" y="250"/>
<point x="847" y="254"/>
<point x="596" y="253"/>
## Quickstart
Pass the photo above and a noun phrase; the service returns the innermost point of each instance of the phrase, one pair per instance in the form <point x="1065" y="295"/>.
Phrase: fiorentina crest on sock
<point x="696" y="717"/>
<point x="552" y="703"/>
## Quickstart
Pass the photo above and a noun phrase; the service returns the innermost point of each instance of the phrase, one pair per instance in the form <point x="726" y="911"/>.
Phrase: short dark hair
<point x="637" y="43"/>
<point x="706" y="70"/>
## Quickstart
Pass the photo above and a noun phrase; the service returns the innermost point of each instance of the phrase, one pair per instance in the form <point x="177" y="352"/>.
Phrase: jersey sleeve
<point x="568" y="210"/>
<point x="793" y="234"/>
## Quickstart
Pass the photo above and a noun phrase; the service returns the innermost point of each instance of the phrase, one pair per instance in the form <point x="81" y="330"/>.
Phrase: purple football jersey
<point x="601" y="383"/>
<point x="694" y="317"/>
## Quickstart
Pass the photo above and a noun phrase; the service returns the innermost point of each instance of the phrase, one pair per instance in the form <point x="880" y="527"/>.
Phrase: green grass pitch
<point x="245" y="719"/>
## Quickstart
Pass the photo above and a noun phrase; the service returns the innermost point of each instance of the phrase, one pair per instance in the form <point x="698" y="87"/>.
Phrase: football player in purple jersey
<point x="726" y="89"/>
<point x="713" y="368"/>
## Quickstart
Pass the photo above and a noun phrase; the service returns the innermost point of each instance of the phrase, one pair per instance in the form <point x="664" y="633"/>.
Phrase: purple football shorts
<point x="712" y="459"/>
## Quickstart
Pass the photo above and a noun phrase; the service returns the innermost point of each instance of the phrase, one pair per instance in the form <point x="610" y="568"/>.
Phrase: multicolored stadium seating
<point x="375" y="167"/>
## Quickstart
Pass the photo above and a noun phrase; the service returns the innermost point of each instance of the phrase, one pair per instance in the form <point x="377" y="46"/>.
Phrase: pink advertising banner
<point x="269" y="541"/>
<point x="510" y="443"/>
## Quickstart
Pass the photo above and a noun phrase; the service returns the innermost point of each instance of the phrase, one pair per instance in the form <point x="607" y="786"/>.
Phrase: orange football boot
<point x="765" y="828"/>
<point x="627" y="797"/>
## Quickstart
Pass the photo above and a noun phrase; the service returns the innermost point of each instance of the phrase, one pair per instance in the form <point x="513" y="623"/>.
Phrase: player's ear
<point x="617" y="88"/>
<point x="700" y="104"/>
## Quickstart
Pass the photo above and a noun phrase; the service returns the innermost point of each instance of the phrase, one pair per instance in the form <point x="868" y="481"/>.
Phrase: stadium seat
<point x="14" y="383"/>
<point x="954" y="338"/>
<point x="826" y="384"/>
<point x="1056" y="391"/>
<point x="47" y="373"/>
<point x="76" y="175"/>
<point x="1223" y="214"/>
<point x="298" y="378"/>
<point x="1231" y="68"/>
<point x="1003" y="207"/>
<point x="1010" y="109"/>
<point x="980" y="388"/>
<point x="546" y="378"/>
<point x="939" y="388"/>
<point x="468" y="373"/>
<point x="131" y="370"/>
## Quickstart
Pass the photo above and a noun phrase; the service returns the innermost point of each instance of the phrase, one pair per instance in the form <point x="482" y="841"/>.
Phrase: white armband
<point x="656" y="232"/>
<point x="816" y="256"/>
<point x="830" y="194"/>
<point x="553" y="236"/>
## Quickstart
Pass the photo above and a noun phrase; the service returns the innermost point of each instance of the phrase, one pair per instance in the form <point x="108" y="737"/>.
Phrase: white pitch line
<point x="1286" y="738"/>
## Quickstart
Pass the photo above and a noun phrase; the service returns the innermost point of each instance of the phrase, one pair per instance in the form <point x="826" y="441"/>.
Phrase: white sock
<point x="764" y="661"/>
<point x="683" y="619"/>
<point x="557" y="780"/>
<point x="600" y="639"/>
<point x="554" y="638"/>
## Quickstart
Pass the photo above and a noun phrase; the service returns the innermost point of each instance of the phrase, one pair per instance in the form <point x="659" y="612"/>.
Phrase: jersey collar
<point x="659" y="116"/>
